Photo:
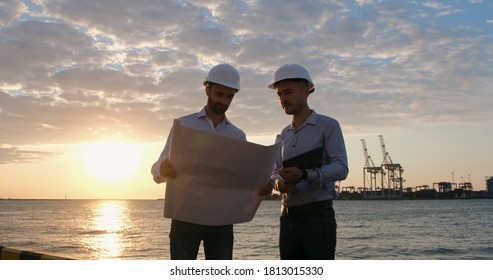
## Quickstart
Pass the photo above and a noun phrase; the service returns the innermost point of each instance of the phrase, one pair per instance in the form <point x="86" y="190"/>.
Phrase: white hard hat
<point x="292" y="71"/>
<point x="224" y="74"/>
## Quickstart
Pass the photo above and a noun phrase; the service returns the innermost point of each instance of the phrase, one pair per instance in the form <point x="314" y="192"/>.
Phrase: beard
<point x="217" y="108"/>
<point x="288" y="108"/>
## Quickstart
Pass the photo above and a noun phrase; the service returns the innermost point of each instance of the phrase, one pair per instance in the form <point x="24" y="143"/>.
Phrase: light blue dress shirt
<point x="317" y="131"/>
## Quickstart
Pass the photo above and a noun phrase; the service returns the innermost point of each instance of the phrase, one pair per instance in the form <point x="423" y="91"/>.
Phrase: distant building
<point x="489" y="184"/>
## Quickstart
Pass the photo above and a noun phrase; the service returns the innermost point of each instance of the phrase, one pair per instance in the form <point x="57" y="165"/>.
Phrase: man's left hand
<point x="290" y="175"/>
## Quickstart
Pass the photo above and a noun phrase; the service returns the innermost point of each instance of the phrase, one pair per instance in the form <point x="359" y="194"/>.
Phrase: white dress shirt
<point x="198" y="120"/>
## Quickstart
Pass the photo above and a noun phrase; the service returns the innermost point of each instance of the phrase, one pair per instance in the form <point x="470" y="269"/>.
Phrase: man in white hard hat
<point x="308" y="225"/>
<point x="221" y="85"/>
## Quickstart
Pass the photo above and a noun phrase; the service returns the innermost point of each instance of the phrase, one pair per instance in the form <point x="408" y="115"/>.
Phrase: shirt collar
<point x="311" y="120"/>
<point x="203" y="115"/>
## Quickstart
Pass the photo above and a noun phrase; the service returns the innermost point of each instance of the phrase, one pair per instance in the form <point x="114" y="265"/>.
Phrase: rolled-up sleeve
<point x="155" y="169"/>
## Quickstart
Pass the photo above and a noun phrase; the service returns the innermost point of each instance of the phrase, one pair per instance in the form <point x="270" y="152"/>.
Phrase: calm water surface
<point x="136" y="229"/>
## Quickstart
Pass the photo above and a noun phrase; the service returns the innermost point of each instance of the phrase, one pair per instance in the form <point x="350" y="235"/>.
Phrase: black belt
<point x="307" y="208"/>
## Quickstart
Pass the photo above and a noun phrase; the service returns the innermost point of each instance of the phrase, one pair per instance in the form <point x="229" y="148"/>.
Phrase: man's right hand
<point x="166" y="169"/>
<point x="284" y="187"/>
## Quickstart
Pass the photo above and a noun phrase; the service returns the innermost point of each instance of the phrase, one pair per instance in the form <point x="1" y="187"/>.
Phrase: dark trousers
<point x="308" y="232"/>
<point x="185" y="241"/>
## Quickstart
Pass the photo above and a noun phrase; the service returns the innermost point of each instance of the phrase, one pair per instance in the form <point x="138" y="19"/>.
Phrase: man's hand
<point x="290" y="175"/>
<point x="166" y="169"/>
<point x="284" y="187"/>
<point x="267" y="189"/>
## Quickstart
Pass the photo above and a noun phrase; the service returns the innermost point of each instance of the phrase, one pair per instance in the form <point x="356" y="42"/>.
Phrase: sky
<point x="89" y="89"/>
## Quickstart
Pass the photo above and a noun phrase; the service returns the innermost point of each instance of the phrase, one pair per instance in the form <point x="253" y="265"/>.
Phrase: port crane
<point x="393" y="172"/>
<point x="371" y="174"/>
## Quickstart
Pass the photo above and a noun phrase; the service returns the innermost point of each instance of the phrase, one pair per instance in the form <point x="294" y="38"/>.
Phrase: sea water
<point x="459" y="229"/>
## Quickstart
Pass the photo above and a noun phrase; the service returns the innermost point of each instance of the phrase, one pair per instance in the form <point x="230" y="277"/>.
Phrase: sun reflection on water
<point x="106" y="230"/>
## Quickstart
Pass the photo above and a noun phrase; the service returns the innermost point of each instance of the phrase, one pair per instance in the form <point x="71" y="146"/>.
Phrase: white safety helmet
<point x="292" y="71"/>
<point x="224" y="74"/>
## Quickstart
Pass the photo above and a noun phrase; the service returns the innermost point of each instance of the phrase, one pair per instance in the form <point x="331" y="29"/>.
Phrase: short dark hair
<point x="296" y="80"/>
<point x="210" y="84"/>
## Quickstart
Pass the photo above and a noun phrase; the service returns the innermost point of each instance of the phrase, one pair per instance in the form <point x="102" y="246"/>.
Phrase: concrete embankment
<point x="9" y="253"/>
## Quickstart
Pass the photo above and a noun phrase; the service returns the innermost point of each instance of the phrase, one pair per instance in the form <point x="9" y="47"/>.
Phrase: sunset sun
<point x="111" y="161"/>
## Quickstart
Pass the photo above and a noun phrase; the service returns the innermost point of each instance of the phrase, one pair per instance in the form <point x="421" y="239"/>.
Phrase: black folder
<point x="310" y="159"/>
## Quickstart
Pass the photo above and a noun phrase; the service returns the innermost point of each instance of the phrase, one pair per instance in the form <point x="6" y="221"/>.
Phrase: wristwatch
<point x="305" y="174"/>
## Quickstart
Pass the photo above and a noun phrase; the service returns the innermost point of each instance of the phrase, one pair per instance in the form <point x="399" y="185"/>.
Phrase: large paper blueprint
<point x="218" y="177"/>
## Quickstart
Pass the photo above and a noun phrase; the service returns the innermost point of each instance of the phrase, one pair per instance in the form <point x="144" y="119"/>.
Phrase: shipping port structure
<point x="385" y="181"/>
<point x="439" y="190"/>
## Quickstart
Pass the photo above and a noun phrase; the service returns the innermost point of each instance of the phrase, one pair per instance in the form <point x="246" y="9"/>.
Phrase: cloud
<point x="10" y="10"/>
<point x="435" y="5"/>
<point x="10" y="155"/>
<point x="443" y="10"/>
<point x="79" y="70"/>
